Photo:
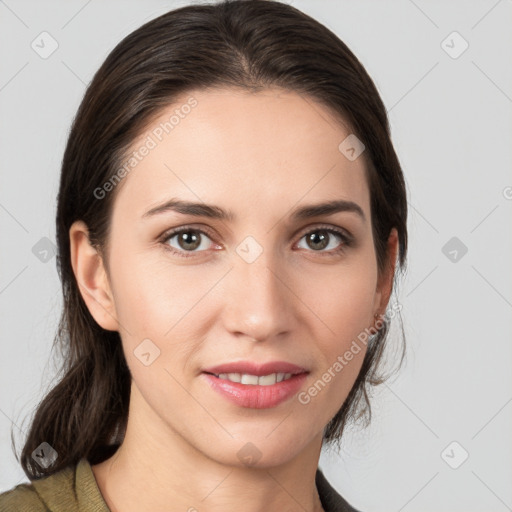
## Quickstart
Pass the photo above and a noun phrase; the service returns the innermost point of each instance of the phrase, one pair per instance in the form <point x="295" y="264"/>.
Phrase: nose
<point x="258" y="302"/>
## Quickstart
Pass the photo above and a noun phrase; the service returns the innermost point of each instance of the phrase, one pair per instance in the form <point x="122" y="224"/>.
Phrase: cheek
<point x="150" y="295"/>
<point x="344" y="299"/>
<point x="154" y="302"/>
<point x="351" y="305"/>
<point x="343" y="302"/>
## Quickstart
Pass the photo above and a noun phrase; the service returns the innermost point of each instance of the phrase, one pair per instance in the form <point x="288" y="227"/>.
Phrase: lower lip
<point x="254" y="396"/>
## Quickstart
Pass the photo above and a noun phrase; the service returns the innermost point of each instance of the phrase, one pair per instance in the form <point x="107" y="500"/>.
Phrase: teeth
<point x="264" y="380"/>
<point x="249" y="379"/>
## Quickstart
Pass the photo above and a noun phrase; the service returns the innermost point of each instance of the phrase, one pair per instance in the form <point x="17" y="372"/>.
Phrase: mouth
<point x="254" y="380"/>
<point x="252" y="369"/>
<point x="256" y="391"/>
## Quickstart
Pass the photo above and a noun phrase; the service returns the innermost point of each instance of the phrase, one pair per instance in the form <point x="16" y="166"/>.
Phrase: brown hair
<point x="250" y="44"/>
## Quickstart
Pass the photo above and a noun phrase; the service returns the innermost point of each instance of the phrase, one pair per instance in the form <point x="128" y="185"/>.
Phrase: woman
<point x="230" y="215"/>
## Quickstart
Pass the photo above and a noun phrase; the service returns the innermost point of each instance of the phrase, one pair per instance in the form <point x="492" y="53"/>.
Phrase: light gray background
<point x="451" y="125"/>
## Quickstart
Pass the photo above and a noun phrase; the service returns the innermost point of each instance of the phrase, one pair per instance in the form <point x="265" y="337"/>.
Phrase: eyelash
<point x="346" y="240"/>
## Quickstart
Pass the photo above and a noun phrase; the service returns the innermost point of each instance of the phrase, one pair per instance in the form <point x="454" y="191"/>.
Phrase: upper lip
<point x="253" y="368"/>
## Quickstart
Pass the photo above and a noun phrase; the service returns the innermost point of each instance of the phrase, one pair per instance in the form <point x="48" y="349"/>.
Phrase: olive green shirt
<point x="74" y="489"/>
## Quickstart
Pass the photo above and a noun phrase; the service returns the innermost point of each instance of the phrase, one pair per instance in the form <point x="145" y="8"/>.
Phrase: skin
<point x="260" y="155"/>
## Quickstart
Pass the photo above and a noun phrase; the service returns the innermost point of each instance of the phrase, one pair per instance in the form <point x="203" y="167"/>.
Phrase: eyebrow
<point x="216" y="212"/>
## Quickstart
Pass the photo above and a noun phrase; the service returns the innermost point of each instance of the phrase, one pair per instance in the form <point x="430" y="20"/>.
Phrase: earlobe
<point x="385" y="281"/>
<point x="91" y="277"/>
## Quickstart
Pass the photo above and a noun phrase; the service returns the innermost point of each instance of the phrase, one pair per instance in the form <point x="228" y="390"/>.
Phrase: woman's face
<point x="263" y="284"/>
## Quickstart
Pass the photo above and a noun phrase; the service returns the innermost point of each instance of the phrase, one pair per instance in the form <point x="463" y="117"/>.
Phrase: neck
<point x="150" y="471"/>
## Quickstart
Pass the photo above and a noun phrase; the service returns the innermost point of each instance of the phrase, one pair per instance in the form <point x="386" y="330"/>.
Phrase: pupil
<point x="319" y="239"/>
<point x="188" y="244"/>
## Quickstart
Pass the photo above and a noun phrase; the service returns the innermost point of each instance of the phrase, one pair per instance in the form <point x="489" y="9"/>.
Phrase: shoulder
<point x="331" y="500"/>
<point x="22" y="498"/>
<point x="53" y="493"/>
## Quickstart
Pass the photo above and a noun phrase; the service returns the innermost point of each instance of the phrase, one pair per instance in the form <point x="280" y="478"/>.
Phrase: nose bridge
<point x="258" y="300"/>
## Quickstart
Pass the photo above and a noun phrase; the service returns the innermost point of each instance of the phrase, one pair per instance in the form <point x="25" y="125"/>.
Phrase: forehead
<point x="245" y="150"/>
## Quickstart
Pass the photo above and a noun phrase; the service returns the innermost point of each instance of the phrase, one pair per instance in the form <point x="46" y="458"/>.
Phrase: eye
<point x="321" y="238"/>
<point x="187" y="239"/>
<point x="191" y="240"/>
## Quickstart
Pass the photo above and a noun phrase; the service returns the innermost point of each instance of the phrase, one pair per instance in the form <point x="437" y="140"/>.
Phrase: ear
<point x="385" y="280"/>
<point x="92" y="278"/>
